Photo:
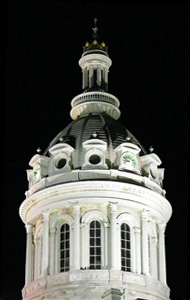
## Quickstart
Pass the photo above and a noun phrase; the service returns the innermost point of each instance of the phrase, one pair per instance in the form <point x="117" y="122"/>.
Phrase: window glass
<point x="95" y="245"/>
<point x="64" y="248"/>
<point x="125" y="247"/>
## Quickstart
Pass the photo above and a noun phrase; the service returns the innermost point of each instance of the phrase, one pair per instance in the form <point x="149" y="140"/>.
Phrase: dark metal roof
<point x="100" y="126"/>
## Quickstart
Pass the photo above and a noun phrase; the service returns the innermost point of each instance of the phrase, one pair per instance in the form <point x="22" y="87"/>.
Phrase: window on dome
<point x="95" y="245"/>
<point x="94" y="159"/>
<point x="64" y="248"/>
<point x="61" y="163"/>
<point x="125" y="247"/>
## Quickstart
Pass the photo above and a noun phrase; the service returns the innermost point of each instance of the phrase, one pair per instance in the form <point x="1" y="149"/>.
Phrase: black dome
<point x="100" y="126"/>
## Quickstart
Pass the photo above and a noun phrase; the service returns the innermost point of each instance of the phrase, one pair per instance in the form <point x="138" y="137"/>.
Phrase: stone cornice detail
<point x="96" y="191"/>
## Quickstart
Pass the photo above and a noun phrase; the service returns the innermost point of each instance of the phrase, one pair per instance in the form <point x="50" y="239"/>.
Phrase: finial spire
<point x="95" y="22"/>
<point x="95" y="29"/>
<point x="95" y="42"/>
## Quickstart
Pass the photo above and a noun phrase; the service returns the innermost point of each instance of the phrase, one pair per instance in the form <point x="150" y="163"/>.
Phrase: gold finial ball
<point x="87" y="44"/>
<point x="103" y="44"/>
<point x="95" y="42"/>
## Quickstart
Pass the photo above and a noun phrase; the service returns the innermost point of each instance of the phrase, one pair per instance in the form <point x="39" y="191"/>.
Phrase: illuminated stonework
<point x="95" y="211"/>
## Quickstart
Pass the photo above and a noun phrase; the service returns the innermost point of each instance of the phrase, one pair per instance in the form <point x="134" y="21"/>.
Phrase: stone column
<point x="145" y="256"/>
<point x="113" y="236"/>
<point x="83" y="247"/>
<point x="36" y="262"/>
<point x="106" y="78"/>
<point x="162" y="259"/>
<point x="153" y="250"/>
<point x="45" y="248"/>
<point x="91" y="77"/>
<point x="29" y="255"/>
<point x="52" y="251"/>
<point x="137" y="232"/>
<point x="99" y="76"/>
<point x="84" y="78"/>
<point x="76" y="239"/>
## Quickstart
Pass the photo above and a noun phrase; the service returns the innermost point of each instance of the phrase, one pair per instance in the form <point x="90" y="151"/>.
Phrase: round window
<point x="94" y="159"/>
<point x="61" y="163"/>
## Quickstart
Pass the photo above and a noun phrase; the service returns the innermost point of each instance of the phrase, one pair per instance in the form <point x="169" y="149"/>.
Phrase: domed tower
<point x="95" y="211"/>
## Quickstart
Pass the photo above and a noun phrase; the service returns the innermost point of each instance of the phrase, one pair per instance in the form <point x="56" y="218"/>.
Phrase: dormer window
<point x="61" y="162"/>
<point x="94" y="159"/>
<point x="36" y="172"/>
<point x="94" y="156"/>
<point x="39" y="163"/>
<point x="150" y="163"/>
<point x="60" y="158"/>
<point x="127" y="157"/>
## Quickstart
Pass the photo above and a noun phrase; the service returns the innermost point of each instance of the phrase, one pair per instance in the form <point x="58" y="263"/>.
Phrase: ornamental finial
<point x="95" y="44"/>
<point x="95" y="29"/>
<point x="95" y="22"/>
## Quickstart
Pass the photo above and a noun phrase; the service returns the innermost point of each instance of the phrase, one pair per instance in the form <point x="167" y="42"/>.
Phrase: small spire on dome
<point x="95" y="44"/>
<point x="151" y="149"/>
<point x="94" y="135"/>
<point x="38" y="150"/>
<point x="95" y="29"/>
<point x="95" y="22"/>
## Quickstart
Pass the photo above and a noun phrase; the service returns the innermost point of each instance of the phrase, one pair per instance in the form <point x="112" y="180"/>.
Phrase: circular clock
<point x="129" y="160"/>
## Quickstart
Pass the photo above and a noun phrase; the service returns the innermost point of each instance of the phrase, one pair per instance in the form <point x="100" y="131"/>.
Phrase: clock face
<point x="37" y="172"/>
<point x="129" y="160"/>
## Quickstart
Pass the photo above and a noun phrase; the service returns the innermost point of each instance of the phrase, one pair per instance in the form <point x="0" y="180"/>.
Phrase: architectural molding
<point x="133" y="196"/>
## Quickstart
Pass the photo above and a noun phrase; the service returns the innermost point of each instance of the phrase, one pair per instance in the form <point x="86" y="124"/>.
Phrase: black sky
<point x="148" y="45"/>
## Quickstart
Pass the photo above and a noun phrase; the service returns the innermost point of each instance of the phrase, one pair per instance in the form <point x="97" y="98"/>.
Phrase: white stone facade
<point x="110" y="203"/>
<point x="95" y="215"/>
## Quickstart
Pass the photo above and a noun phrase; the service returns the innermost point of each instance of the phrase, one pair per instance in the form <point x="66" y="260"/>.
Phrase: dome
<point x="95" y="145"/>
<point x="95" y="126"/>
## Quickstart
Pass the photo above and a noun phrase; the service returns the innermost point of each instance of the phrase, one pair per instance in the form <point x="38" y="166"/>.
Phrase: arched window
<point x="64" y="247"/>
<point x="125" y="247"/>
<point x="95" y="244"/>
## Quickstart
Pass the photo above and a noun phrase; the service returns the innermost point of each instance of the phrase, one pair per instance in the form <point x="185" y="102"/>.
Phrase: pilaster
<point x="76" y="239"/>
<point x="45" y="246"/>
<point x="137" y="233"/>
<point x="162" y="258"/>
<point x="145" y="256"/>
<point x="52" y="251"/>
<point x="29" y="254"/>
<point x="113" y="236"/>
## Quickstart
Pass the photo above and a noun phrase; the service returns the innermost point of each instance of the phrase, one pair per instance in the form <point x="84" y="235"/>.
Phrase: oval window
<point x="61" y="163"/>
<point x="94" y="159"/>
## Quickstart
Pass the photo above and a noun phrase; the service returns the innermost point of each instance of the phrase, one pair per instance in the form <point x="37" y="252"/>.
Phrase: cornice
<point x="86" y="192"/>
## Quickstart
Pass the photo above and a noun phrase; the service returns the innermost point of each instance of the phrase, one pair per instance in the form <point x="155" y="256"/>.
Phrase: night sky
<point x="148" y="45"/>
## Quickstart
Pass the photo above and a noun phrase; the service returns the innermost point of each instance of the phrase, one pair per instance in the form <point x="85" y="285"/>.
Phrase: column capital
<point x="46" y="215"/>
<point x="144" y="215"/>
<point x="162" y="227"/>
<point x="137" y="230"/>
<point x="76" y="208"/>
<point x="29" y="228"/>
<point x="113" y="207"/>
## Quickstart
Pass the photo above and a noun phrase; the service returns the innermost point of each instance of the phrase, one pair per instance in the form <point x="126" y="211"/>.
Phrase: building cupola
<point x="95" y="64"/>
<point x="95" y="210"/>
